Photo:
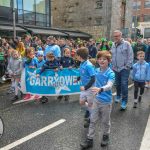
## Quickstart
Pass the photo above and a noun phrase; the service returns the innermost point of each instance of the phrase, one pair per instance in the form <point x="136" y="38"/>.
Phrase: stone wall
<point x="97" y="17"/>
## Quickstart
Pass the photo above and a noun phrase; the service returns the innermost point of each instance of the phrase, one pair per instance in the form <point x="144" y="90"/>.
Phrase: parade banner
<point x="51" y="83"/>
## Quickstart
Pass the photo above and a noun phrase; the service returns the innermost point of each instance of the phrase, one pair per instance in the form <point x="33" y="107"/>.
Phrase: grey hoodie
<point x="15" y="67"/>
<point x="122" y="56"/>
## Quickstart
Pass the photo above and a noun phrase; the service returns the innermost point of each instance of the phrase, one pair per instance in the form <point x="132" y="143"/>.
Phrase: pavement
<point x="59" y="125"/>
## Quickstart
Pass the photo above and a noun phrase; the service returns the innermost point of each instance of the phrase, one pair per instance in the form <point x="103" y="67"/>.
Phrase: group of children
<point x="96" y="95"/>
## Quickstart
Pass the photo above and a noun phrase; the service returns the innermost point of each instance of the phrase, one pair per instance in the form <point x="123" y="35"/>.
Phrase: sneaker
<point x="3" y="78"/>
<point x="87" y="144"/>
<point x="105" y="140"/>
<point x="87" y="123"/>
<point x="59" y="98"/>
<point x="15" y="98"/>
<point x="67" y="98"/>
<point x="37" y="97"/>
<point x="27" y="96"/>
<point x="117" y="99"/>
<point x="139" y="99"/>
<point x="135" y="105"/>
<point x="123" y="105"/>
<point x="44" y="100"/>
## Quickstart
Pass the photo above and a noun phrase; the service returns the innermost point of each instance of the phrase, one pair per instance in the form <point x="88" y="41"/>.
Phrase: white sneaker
<point x="3" y="78"/>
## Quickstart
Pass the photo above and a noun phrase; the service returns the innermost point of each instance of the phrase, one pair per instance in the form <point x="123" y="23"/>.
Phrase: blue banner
<point x="52" y="83"/>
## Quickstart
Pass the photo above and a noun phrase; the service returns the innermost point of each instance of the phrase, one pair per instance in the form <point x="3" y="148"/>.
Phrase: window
<point x="134" y="18"/>
<point x="6" y="3"/>
<point x="146" y="18"/>
<point x="40" y="6"/>
<point x="29" y="5"/>
<point x="147" y="4"/>
<point x="136" y="5"/>
<point x="99" y="4"/>
<point x="147" y="33"/>
<point x="29" y="17"/>
<point x="98" y="21"/>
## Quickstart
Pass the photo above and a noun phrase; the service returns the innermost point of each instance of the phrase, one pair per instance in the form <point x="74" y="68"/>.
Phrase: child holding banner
<point x="102" y="104"/>
<point x="31" y="62"/>
<point x="87" y="76"/>
<point x="66" y="62"/>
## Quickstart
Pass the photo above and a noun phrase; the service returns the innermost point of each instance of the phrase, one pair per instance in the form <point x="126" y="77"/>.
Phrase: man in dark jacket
<point x="92" y="48"/>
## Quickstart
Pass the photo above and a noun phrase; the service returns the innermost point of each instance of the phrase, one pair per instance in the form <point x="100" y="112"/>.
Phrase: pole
<point x="14" y="19"/>
<point x="135" y="23"/>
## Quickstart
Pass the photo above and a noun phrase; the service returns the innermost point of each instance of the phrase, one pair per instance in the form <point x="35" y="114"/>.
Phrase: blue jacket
<point x="67" y="62"/>
<point x="40" y="63"/>
<point x="140" y="71"/>
<point x="30" y="62"/>
<point x="50" y="65"/>
<point x="55" y="49"/>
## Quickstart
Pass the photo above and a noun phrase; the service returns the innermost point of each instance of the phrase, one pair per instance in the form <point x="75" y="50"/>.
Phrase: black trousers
<point x="2" y="68"/>
<point x="137" y="86"/>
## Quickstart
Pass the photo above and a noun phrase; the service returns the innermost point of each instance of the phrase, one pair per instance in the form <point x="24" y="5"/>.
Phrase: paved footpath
<point x="59" y="125"/>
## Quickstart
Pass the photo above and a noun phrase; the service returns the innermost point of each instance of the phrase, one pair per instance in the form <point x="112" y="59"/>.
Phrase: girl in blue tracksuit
<point x="140" y="76"/>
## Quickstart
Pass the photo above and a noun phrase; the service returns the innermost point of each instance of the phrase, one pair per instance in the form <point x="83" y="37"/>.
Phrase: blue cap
<point x="40" y="53"/>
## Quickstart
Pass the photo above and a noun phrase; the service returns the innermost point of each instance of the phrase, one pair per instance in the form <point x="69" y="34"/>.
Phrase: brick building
<point x="96" y="17"/>
<point x="141" y="16"/>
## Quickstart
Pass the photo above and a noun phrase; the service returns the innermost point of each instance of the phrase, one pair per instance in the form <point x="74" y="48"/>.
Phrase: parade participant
<point x="87" y="76"/>
<point x="30" y="62"/>
<point x="40" y="57"/>
<point x="14" y="69"/>
<point x="140" y="76"/>
<point x="51" y="63"/>
<point x="66" y="62"/>
<point x="20" y="46"/>
<point x="122" y="59"/>
<point x="102" y="104"/>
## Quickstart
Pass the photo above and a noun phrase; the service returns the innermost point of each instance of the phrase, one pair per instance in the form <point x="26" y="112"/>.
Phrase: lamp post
<point x="14" y="18"/>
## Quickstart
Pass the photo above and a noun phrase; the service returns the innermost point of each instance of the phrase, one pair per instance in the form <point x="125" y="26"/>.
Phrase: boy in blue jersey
<point x="87" y="77"/>
<point x="102" y="103"/>
<point x="140" y="76"/>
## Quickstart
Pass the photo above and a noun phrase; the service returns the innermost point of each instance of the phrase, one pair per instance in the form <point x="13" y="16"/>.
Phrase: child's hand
<point x="56" y="69"/>
<point x="37" y="75"/>
<point x="96" y="90"/>
<point x="32" y="67"/>
<point x="61" y="67"/>
<point x="70" y="67"/>
<point x="82" y="88"/>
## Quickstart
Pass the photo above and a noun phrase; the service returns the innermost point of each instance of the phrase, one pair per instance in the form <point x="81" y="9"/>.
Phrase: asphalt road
<point x="23" y="119"/>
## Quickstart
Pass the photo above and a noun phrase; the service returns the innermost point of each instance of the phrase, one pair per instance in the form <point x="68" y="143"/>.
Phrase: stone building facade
<point x="96" y="17"/>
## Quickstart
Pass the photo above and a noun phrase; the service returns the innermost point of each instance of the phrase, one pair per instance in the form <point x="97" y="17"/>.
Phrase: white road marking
<point x="114" y="94"/>
<point x="33" y="135"/>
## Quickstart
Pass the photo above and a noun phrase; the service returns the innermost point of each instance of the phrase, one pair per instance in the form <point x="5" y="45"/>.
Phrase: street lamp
<point x="14" y="18"/>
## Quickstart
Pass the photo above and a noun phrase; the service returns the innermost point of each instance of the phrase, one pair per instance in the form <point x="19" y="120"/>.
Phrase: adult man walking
<point x="122" y="59"/>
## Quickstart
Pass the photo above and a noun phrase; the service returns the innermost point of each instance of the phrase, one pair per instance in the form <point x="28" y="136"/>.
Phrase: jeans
<point x="122" y="83"/>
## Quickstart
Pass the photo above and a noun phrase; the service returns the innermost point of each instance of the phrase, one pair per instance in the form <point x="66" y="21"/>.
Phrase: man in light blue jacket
<point x="52" y="47"/>
<point x="122" y="59"/>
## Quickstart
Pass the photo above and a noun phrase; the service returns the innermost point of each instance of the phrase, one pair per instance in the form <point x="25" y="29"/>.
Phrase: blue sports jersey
<point x="102" y="77"/>
<point x="86" y="71"/>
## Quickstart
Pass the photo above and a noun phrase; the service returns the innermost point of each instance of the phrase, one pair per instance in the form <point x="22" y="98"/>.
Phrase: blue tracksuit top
<point x="102" y="77"/>
<point x="30" y="62"/>
<point x="40" y="63"/>
<point x="55" y="49"/>
<point x="86" y="71"/>
<point x="140" y="71"/>
<point x="67" y="62"/>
